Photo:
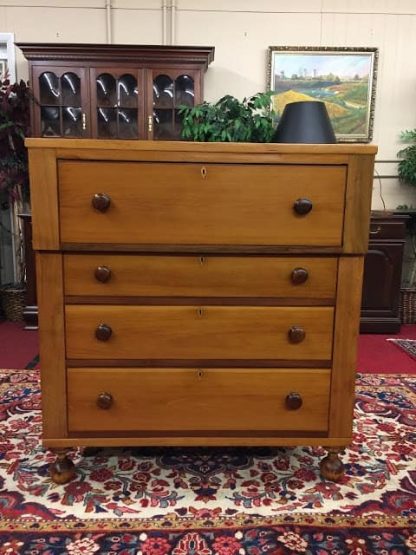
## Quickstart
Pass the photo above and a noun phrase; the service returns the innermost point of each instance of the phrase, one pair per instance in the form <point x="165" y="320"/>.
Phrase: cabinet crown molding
<point x="201" y="56"/>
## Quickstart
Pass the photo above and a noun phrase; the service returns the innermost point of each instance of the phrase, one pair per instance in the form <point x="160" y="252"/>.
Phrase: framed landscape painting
<point x="7" y="57"/>
<point x="343" y="78"/>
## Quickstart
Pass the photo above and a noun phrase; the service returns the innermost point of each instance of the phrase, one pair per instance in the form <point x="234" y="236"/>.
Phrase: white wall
<point x="241" y="31"/>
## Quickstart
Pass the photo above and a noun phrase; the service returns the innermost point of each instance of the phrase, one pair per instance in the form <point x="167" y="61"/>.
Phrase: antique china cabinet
<point x="113" y="91"/>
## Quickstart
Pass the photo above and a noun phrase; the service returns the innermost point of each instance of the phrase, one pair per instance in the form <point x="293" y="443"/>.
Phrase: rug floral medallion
<point x="213" y="501"/>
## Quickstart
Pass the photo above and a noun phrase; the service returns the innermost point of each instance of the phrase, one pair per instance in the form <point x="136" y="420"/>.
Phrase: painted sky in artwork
<point x="344" y="65"/>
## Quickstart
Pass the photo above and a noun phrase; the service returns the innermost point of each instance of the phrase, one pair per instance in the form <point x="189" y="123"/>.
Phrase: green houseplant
<point x="407" y="174"/>
<point x="407" y="164"/>
<point x="229" y="120"/>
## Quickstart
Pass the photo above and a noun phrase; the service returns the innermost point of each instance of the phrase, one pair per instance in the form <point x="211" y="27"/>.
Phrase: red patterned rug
<point x="200" y="501"/>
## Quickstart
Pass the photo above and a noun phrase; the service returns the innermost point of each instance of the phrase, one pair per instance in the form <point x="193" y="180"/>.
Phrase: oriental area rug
<point x="213" y="501"/>
<point x="406" y="345"/>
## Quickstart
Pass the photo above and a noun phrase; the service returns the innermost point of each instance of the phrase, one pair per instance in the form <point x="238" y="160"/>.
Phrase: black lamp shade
<point x="304" y="122"/>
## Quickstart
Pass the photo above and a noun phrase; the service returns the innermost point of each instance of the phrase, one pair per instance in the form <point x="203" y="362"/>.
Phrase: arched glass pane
<point x="72" y="121"/>
<point x="127" y="123"/>
<point x="163" y="92"/>
<point x="49" y="88"/>
<point x="106" y="90"/>
<point x="50" y="124"/>
<point x="184" y="91"/>
<point x="162" y="124"/>
<point x="71" y="89"/>
<point x="177" y="126"/>
<point x="127" y="91"/>
<point x="107" y="123"/>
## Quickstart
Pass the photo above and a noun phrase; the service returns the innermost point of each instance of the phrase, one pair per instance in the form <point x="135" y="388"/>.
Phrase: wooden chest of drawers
<point x="198" y="294"/>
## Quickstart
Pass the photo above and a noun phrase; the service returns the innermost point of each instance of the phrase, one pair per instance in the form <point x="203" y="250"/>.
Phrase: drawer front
<point x="387" y="229"/>
<point x="200" y="276"/>
<point x="197" y="399"/>
<point x="192" y="332"/>
<point x="192" y="204"/>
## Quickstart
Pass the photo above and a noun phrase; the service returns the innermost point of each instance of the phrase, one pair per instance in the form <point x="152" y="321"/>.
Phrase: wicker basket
<point x="13" y="301"/>
<point x="407" y="306"/>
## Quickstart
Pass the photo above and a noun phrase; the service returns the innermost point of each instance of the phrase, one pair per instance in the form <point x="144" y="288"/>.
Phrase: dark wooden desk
<point x="382" y="274"/>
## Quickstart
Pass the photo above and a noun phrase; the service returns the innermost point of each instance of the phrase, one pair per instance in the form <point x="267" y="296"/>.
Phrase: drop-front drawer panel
<point x="107" y="275"/>
<point x="192" y="332"/>
<point x="192" y="204"/>
<point x="117" y="399"/>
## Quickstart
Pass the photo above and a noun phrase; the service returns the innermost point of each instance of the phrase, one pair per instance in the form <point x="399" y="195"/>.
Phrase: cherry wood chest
<point x="198" y="294"/>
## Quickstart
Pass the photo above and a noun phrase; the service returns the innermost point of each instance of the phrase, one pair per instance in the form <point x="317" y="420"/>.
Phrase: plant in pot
<point x="14" y="184"/>
<point x="407" y="155"/>
<point x="229" y="120"/>
<point x="407" y="175"/>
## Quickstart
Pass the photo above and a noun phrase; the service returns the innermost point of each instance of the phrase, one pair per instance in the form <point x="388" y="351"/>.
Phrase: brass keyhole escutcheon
<point x="200" y="373"/>
<point x="201" y="260"/>
<point x="200" y="312"/>
<point x="203" y="172"/>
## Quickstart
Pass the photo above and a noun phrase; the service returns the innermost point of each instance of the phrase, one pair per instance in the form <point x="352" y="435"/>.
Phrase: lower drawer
<point x="183" y="399"/>
<point x="198" y="333"/>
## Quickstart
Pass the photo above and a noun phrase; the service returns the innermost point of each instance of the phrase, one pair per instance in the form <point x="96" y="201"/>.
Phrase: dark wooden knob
<point x="103" y="332"/>
<point x="104" y="400"/>
<point x="302" y="206"/>
<point x="101" y="202"/>
<point x="102" y="273"/>
<point x="299" y="275"/>
<point x="296" y="334"/>
<point x="293" y="401"/>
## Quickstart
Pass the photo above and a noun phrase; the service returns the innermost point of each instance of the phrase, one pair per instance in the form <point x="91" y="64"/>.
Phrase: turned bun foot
<point x="62" y="470"/>
<point x="331" y="466"/>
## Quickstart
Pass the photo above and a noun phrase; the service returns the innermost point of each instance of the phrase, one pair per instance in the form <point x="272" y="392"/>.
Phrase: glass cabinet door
<point x="115" y="103"/>
<point x="170" y="92"/>
<point x="61" y="104"/>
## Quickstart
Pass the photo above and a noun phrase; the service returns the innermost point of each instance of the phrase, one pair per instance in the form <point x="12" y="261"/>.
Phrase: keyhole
<point x="203" y="172"/>
<point x="200" y="312"/>
<point x="200" y="374"/>
<point x="201" y="260"/>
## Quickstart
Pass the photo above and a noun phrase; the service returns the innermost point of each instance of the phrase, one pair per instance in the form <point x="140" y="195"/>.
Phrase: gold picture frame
<point x="342" y="77"/>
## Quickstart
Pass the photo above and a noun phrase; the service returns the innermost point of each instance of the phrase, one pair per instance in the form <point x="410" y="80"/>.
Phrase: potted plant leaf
<point x="407" y="175"/>
<point x="229" y="120"/>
